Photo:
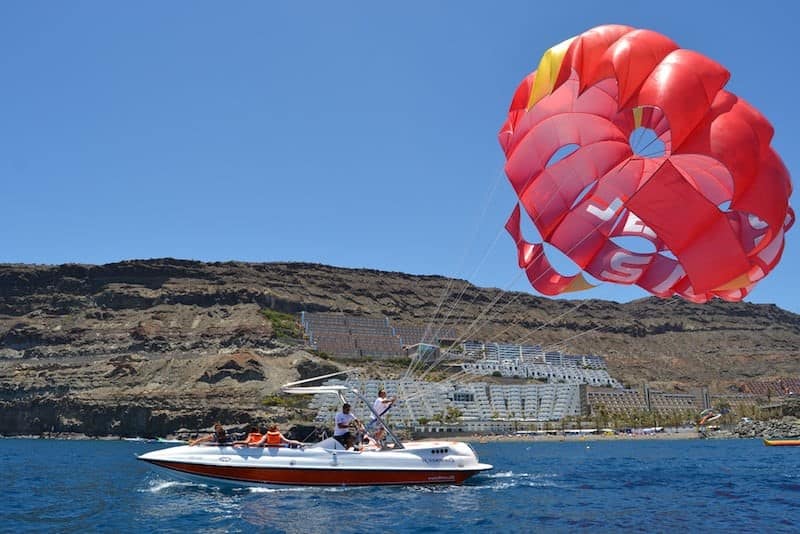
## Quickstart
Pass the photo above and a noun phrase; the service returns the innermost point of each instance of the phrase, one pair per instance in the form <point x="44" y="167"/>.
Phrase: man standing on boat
<point x="341" y="431"/>
<point x="380" y="407"/>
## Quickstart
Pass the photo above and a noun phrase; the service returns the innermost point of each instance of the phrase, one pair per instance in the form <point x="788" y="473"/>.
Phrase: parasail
<point x="711" y="202"/>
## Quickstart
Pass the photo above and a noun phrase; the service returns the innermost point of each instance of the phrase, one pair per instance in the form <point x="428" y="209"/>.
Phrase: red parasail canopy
<point x="713" y="204"/>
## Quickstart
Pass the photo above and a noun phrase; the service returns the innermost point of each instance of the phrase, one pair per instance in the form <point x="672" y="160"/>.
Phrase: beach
<point x="681" y="433"/>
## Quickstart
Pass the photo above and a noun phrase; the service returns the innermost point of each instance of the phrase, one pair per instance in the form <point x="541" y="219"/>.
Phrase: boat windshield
<point x="297" y="388"/>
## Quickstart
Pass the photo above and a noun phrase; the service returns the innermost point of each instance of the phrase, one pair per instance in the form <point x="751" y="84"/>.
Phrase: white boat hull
<point x="421" y="462"/>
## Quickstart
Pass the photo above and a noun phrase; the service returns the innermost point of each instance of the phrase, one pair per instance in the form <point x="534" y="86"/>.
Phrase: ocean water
<point x="605" y="486"/>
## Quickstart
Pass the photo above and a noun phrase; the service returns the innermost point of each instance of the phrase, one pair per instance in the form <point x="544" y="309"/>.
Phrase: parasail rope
<point x="490" y="194"/>
<point x="483" y="318"/>
<point x="432" y="333"/>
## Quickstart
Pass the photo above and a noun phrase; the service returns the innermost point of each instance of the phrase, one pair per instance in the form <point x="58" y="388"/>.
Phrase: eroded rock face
<point x="239" y="367"/>
<point x="311" y="368"/>
<point x="145" y="347"/>
<point x="786" y="427"/>
<point x="137" y="395"/>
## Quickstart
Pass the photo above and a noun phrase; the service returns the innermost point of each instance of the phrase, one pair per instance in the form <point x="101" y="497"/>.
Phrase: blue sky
<point x="357" y="134"/>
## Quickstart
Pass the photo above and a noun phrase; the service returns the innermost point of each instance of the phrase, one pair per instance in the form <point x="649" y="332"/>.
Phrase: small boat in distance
<point x="154" y="440"/>
<point x="782" y="442"/>
<point x="326" y="463"/>
<point x="165" y="440"/>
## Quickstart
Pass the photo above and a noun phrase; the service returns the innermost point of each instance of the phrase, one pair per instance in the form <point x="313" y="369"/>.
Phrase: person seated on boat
<point x="368" y="443"/>
<point x="253" y="437"/>
<point x="341" y="430"/>
<point x="380" y="437"/>
<point x="380" y="407"/>
<point x="274" y="438"/>
<point x="218" y="437"/>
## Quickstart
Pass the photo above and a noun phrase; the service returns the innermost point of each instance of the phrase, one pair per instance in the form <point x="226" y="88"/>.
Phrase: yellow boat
<point x="782" y="442"/>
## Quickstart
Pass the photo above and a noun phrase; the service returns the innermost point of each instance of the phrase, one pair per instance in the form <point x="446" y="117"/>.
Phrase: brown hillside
<point x="139" y="340"/>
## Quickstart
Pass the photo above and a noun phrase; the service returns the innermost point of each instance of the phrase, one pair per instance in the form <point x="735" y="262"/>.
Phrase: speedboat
<point x="326" y="463"/>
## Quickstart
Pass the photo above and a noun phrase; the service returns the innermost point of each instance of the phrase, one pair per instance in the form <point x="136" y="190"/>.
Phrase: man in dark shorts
<point x="341" y="430"/>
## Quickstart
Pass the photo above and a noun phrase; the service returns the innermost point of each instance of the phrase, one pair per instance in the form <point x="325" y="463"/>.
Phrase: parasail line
<point x="446" y="292"/>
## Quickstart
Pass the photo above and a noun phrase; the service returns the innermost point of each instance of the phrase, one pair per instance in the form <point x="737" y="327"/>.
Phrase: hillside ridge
<point x="134" y="339"/>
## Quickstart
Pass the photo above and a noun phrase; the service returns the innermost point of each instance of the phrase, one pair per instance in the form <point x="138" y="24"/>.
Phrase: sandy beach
<point x="533" y="438"/>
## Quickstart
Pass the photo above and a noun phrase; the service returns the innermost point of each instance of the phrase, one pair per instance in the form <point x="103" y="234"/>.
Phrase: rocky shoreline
<point x="787" y="427"/>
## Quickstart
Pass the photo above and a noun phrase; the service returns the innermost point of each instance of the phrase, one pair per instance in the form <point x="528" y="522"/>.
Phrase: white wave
<point x="160" y="485"/>
<point x="501" y="474"/>
<point x="305" y="489"/>
<point x="273" y="489"/>
<point x="512" y="474"/>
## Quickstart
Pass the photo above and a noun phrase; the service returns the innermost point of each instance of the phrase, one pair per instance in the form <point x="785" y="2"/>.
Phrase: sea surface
<point x="631" y="485"/>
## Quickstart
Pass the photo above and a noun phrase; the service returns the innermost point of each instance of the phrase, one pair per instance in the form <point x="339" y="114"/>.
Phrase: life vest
<point x="273" y="439"/>
<point x="253" y="438"/>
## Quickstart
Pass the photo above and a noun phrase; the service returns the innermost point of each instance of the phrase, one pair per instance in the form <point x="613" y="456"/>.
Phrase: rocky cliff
<point x="147" y="347"/>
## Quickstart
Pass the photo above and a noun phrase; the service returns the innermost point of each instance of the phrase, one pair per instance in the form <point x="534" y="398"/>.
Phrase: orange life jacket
<point x="253" y="438"/>
<point x="273" y="439"/>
